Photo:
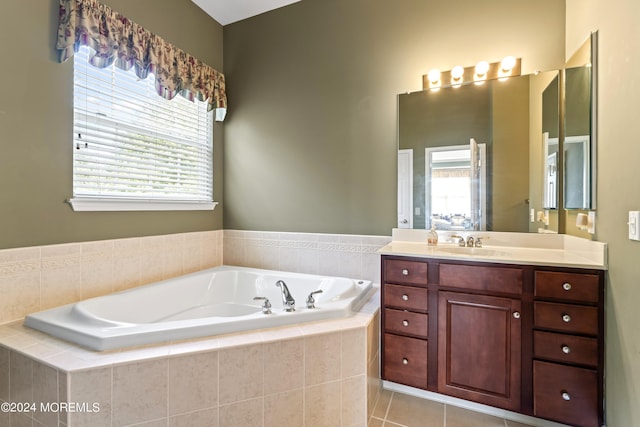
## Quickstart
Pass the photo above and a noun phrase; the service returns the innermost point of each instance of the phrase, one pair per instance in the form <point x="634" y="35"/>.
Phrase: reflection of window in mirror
<point x="450" y="188"/>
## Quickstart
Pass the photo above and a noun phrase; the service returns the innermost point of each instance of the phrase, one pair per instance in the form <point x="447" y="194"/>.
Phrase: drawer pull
<point x="405" y="361"/>
<point x="405" y="272"/>
<point x="566" y="396"/>
<point x="566" y="349"/>
<point x="566" y="318"/>
<point x="516" y="314"/>
<point x="405" y="297"/>
<point x="566" y="286"/>
<point x="405" y="323"/>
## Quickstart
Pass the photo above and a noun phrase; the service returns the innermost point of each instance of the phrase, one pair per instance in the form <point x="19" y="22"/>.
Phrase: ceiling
<point x="228" y="11"/>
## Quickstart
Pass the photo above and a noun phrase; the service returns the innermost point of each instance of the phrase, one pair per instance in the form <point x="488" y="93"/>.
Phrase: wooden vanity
<point x="526" y="338"/>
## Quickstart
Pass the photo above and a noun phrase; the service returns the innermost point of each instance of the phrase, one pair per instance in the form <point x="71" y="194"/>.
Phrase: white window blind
<point x="135" y="150"/>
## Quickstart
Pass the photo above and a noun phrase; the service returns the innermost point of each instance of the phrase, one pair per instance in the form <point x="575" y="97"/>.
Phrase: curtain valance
<point x="114" y="38"/>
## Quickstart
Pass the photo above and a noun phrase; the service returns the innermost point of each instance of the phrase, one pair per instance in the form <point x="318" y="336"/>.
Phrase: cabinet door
<point x="479" y="348"/>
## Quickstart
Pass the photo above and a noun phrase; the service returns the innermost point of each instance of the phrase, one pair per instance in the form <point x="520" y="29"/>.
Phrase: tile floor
<point x="401" y="410"/>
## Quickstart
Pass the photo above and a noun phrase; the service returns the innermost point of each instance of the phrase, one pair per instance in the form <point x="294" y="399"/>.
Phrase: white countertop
<point x="507" y="248"/>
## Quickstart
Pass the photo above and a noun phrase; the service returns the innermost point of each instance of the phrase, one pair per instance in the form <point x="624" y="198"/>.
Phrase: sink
<point x="459" y="250"/>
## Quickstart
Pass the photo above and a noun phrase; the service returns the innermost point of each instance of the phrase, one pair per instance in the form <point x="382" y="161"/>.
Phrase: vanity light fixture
<point x="482" y="71"/>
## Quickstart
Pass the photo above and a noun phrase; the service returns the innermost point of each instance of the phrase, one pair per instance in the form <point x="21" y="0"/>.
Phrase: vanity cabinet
<point x="519" y="337"/>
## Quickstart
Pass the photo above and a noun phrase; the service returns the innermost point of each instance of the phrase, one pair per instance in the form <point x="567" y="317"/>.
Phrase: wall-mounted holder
<point x="586" y="222"/>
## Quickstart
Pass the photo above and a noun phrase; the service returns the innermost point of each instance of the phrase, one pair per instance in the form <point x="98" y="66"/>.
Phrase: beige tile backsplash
<point x="38" y="278"/>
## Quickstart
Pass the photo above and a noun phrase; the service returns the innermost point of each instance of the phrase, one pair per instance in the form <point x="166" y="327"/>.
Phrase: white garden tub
<point x="210" y="302"/>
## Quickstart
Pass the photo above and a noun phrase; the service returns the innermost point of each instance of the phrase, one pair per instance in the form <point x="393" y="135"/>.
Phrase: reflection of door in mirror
<point x="405" y="188"/>
<point x="577" y="177"/>
<point x="454" y="182"/>
<point x="551" y="180"/>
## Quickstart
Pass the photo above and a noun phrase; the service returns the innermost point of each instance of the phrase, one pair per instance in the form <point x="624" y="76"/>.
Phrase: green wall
<point x="312" y="88"/>
<point x="36" y="123"/>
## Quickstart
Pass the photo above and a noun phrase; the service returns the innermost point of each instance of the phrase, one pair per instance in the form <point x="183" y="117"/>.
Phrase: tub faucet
<point x="311" y="301"/>
<point x="288" y="302"/>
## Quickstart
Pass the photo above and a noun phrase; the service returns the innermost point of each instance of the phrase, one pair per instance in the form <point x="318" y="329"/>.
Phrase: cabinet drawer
<point x="406" y="322"/>
<point x="405" y="298"/>
<point x="405" y="360"/>
<point x="491" y="279"/>
<point x="566" y="317"/>
<point x="401" y="271"/>
<point x="567" y="286"/>
<point x="565" y="394"/>
<point x="565" y="348"/>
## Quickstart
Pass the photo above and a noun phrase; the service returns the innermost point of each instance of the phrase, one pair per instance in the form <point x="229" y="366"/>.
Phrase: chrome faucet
<point x="470" y="241"/>
<point x="266" y="306"/>
<point x="288" y="303"/>
<point x="461" y="242"/>
<point x="311" y="301"/>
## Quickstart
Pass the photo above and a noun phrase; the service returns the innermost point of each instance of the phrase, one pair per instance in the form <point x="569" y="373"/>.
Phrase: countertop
<point x="510" y="248"/>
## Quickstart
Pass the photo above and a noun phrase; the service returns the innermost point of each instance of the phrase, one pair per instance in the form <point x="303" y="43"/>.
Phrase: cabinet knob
<point x="566" y="318"/>
<point x="566" y="286"/>
<point x="516" y="314"/>
<point x="405" y="361"/>
<point x="566" y="349"/>
<point x="566" y="396"/>
<point x="405" y="323"/>
<point x="405" y="272"/>
<point x="405" y="297"/>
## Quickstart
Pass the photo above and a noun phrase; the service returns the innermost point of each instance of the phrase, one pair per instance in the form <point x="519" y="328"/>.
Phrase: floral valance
<point x="114" y="38"/>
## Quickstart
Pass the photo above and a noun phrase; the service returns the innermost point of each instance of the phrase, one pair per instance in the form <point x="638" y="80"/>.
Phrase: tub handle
<point x="266" y="305"/>
<point x="311" y="302"/>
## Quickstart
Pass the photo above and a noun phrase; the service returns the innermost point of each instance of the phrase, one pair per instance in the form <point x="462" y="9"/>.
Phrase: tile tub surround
<point x="351" y="256"/>
<point x="312" y="375"/>
<point x="38" y="278"/>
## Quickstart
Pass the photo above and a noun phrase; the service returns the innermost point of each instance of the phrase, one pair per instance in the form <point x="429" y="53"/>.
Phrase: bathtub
<point x="209" y="302"/>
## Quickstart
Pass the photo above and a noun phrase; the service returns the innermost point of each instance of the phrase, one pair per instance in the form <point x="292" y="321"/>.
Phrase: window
<point x="135" y="150"/>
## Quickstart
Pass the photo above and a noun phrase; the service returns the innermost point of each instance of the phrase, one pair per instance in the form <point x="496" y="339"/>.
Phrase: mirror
<point x="437" y="179"/>
<point x="579" y="143"/>
<point x="551" y="142"/>
<point x="534" y="157"/>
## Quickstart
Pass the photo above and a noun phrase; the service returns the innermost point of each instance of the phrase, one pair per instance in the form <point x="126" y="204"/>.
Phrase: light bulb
<point x="482" y="68"/>
<point x="508" y="63"/>
<point x="457" y="72"/>
<point x="434" y="77"/>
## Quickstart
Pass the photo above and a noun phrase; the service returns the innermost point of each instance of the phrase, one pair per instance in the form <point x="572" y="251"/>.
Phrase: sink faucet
<point x="288" y="302"/>
<point x="470" y="241"/>
<point x="461" y="242"/>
